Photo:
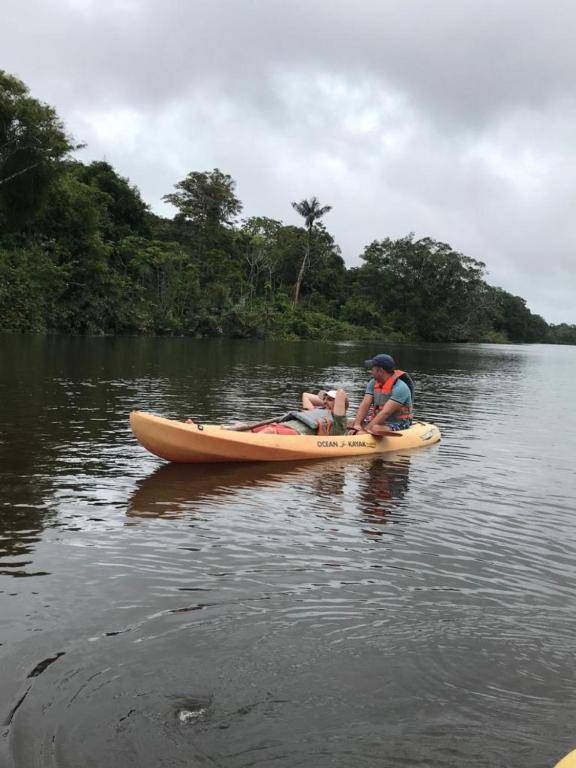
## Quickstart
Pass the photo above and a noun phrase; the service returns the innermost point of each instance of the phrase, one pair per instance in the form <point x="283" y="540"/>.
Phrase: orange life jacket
<point x="324" y="426"/>
<point x="382" y="392"/>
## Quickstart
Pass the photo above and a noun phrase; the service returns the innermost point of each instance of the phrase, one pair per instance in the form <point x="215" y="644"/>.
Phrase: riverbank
<point x="260" y="323"/>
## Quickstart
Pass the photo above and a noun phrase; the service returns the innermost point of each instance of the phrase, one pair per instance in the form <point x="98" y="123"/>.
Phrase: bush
<point x="30" y="286"/>
<point x="495" y="337"/>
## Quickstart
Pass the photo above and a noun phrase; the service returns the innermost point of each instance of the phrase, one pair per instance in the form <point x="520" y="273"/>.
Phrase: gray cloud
<point x="450" y="119"/>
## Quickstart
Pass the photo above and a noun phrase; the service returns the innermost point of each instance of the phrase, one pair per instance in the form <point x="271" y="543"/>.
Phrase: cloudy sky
<point x="454" y="119"/>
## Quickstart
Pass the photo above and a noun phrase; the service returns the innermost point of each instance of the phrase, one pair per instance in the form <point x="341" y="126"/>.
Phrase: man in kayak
<point x="387" y="403"/>
<point x="322" y="414"/>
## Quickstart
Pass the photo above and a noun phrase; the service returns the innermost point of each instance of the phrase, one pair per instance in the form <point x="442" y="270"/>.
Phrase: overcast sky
<point x="454" y="119"/>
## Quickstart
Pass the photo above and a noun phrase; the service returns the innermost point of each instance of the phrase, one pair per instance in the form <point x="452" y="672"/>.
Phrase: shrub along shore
<point x="82" y="253"/>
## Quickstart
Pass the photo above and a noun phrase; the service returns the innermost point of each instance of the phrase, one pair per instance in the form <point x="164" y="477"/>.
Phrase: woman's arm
<point x="311" y="401"/>
<point x="340" y="403"/>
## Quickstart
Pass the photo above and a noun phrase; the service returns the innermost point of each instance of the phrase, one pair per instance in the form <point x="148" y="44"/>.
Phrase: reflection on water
<point x="417" y="609"/>
<point x="383" y="483"/>
<point x="175" y="490"/>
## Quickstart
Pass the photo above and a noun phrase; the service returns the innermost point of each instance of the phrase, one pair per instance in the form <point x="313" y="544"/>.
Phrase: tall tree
<point x="32" y="144"/>
<point x="206" y="198"/>
<point x="311" y="211"/>
<point x="126" y="212"/>
<point x="425" y="288"/>
<point x="261" y="252"/>
<point x="513" y="318"/>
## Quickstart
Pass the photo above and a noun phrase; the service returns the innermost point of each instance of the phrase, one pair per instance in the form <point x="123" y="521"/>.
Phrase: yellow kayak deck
<point x="196" y="443"/>
<point x="568" y="762"/>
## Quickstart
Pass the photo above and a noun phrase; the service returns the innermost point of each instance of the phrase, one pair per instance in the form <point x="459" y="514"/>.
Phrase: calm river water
<point x="418" y="610"/>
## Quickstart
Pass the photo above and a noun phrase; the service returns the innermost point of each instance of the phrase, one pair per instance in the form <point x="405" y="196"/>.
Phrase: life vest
<point x="318" y="420"/>
<point x="382" y="392"/>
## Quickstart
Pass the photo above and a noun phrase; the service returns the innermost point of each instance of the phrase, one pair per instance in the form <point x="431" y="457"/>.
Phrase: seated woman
<point x="322" y="414"/>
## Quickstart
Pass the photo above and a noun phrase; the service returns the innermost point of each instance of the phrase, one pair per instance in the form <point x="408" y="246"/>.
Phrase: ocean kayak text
<point x="341" y="444"/>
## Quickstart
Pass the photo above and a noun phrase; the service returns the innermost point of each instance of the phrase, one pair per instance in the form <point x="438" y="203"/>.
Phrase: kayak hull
<point x="568" y="762"/>
<point x="196" y="444"/>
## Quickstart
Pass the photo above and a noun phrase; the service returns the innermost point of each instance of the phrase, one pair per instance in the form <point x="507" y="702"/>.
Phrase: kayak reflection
<point x="173" y="489"/>
<point x="374" y="484"/>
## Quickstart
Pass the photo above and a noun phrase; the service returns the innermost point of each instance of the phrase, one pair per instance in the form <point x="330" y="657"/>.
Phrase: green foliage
<point x="164" y="286"/>
<point x="495" y="337"/>
<point x="290" y="321"/>
<point x="261" y="252"/>
<point x="31" y="285"/>
<point x="80" y="252"/>
<point x="562" y="334"/>
<point x="206" y="198"/>
<point x="32" y="144"/>
<point x="126" y="212"/>
<point x="72" y="226"/>
<point x="425" y="288"/>
<point x="312" y="212"/>
<point x="361" y="312"/>
<point x="513" y="319"/>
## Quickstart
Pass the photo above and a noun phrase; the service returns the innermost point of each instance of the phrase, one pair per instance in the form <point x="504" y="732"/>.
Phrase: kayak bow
<point x="568" y="762"/>
<point x="195" y="443"/>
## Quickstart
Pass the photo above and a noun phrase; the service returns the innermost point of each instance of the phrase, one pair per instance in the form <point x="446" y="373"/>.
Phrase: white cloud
<point x="454" y="120"/>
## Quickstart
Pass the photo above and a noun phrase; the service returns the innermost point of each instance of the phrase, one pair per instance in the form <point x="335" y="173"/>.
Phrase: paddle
<point x="240" y="427"/>
<point x="248" y="427"/>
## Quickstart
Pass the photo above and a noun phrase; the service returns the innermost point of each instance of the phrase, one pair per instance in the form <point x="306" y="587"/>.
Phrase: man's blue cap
<point x="381" y="361"/>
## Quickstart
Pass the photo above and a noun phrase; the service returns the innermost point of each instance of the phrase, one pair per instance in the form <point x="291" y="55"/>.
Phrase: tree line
<point x="82" y="253"/>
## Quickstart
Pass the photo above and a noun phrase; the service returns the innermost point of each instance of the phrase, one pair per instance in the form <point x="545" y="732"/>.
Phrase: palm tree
<point x="311" y="211"/>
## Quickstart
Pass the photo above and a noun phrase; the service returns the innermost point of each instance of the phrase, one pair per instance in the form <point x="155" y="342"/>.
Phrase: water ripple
<point x="413" y="610"/>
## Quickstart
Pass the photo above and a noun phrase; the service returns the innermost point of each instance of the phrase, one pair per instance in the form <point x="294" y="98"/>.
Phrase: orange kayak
<point x="196" y="443"/>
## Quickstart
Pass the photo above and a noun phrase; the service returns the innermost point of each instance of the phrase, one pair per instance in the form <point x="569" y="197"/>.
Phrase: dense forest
<point x="82" y="253"/>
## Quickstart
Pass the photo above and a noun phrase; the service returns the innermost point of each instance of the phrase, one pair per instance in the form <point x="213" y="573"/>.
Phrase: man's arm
<point x="362" y="411"/>
<point x="386" y="414"/>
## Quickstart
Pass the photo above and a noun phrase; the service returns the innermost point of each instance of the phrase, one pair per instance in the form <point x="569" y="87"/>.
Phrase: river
<point x="413" y="610"/>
